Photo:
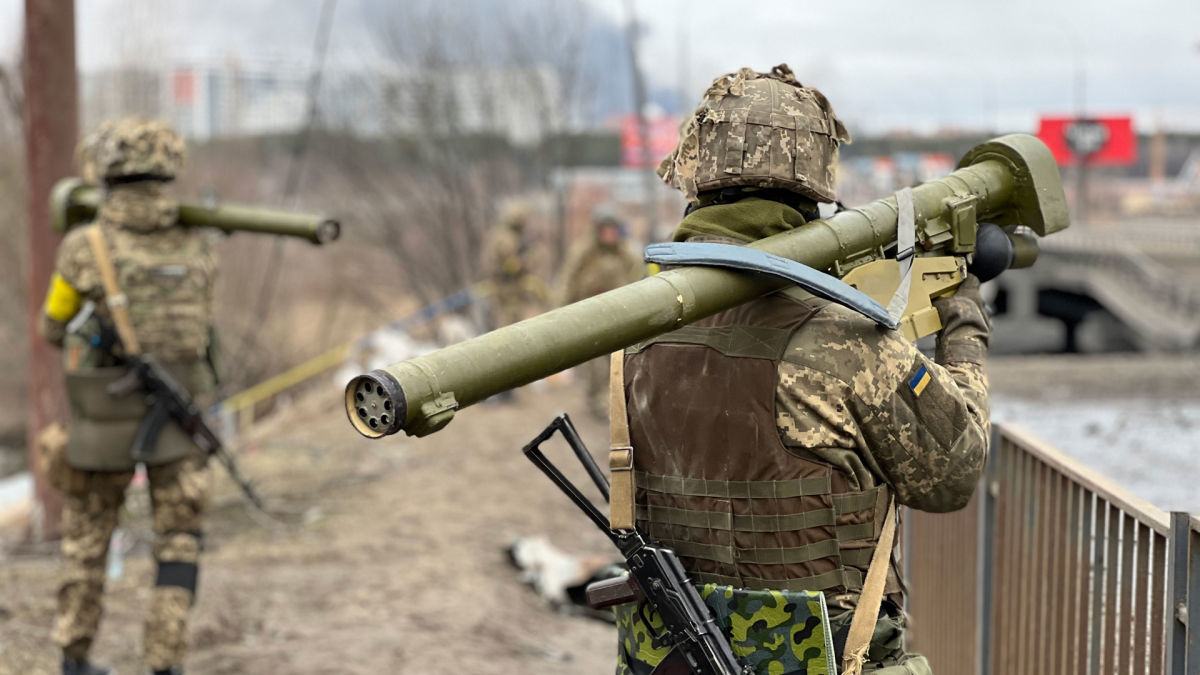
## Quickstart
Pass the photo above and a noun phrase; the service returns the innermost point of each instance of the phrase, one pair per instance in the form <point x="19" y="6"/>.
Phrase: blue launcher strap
<point x="753" y="260"/>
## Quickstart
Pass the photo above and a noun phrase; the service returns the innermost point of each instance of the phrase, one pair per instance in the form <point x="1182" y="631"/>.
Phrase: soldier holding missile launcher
<point x="771" y="441"/>
<point x="131" y="304"/>
<point x="776" y="411"/>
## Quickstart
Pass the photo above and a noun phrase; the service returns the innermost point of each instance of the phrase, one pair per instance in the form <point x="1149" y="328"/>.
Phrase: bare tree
<point x="469" y="104"/>
<point x="543" y="38"/>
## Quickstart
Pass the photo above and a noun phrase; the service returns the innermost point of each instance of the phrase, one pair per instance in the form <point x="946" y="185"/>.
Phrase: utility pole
<point x="51" y="127"/>
<point x="643" y="131"/>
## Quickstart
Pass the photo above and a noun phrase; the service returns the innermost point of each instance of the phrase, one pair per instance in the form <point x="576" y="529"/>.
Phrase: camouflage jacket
<point x="592" y="268"/>
<point x="167" y="273"/>
<point x="849" y="393"/>
<point x="506" y="255"/>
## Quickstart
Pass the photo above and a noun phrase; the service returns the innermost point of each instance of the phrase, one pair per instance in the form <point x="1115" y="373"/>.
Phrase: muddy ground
<point x="392" y="562"/>
<point x="390" y="557"/>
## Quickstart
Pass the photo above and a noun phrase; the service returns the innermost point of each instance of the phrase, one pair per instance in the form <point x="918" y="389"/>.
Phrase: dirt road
<point x="394" y="562"/>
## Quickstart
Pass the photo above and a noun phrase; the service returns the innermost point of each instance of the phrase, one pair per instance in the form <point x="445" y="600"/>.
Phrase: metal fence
<point x="1052" y="568"/>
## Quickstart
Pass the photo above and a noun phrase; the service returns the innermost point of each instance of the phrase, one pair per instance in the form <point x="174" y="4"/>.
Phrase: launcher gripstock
<point x="1011" y="182"/>
<point x="73" y="201"/>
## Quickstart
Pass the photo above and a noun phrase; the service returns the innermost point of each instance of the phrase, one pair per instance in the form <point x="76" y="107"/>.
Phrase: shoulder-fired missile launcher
<point x="72" y="201"/>
<point x="1011" y="182"/>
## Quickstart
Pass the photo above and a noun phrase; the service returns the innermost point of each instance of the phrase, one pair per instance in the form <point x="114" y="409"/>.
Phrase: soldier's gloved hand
<point x="965" y="325"/>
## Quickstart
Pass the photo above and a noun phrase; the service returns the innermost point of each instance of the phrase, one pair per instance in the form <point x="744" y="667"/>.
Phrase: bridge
<point x="1095" y="288"/>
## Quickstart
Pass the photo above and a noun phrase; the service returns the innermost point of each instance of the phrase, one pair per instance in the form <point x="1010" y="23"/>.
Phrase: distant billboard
<point x="1097" y="141"/>
<point x="183" y="86"/>
<point x="663" y="133"/>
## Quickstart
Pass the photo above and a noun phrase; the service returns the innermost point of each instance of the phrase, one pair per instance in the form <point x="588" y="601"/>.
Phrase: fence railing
<point x="1052" y="568"/>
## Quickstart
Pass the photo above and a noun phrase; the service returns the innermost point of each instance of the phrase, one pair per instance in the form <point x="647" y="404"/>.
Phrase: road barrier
<point x="1053" y="569"/>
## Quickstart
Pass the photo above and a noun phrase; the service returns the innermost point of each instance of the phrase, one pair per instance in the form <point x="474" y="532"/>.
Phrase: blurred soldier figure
<point x="770" y="441"/>
<point x="601" y="263"/>
<point x="162" y="275"/>
<point x="507" y="264"/>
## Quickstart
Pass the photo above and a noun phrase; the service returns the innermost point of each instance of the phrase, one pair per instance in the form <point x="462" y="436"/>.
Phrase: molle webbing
<point x="734" y="489"/>
<point x="729" y="555"/>
<point x="714" y="479"/>
<point x="662" y="521"/>
<point x="717" y="520"/>
<point x="848" y="578"/>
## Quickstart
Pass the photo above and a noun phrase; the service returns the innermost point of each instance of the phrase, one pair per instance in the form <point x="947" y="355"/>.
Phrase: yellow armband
<point x="62" y="301"/>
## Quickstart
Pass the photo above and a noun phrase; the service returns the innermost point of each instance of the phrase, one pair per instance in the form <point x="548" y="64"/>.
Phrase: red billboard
<point x="1097" y="141"/>
<point x="183" y="86"/>
<point x="663" y="133"/>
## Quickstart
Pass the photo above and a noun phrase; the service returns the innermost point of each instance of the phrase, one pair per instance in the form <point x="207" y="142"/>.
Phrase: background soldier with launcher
<point x="137" y="267"/>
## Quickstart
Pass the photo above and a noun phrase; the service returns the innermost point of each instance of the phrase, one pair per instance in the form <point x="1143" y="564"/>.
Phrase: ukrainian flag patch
<point x="919" y="381"/>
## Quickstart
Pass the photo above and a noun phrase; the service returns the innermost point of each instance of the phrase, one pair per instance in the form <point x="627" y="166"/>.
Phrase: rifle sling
<point x="117" y="301"/>
<point x="862" y="626"/>
<point x="620" y="454"/>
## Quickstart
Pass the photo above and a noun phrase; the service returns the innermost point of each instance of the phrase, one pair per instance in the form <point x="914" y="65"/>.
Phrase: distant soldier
<point x="507" y="262"/>
<point x="600" y="263"/>
<point x="152" y="279"/>
<point x="771" y="441"/>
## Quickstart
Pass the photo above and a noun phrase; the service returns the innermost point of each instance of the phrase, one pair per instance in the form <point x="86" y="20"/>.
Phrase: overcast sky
<point x="917" y="64"/>
<point x="925" y="63"/>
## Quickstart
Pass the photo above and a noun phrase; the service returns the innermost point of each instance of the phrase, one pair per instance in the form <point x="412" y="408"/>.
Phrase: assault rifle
<point x="698" y="646"/>
<point x="168" y="400"/>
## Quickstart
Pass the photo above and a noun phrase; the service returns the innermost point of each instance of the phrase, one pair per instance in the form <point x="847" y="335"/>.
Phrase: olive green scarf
<point x="748" y="219"/>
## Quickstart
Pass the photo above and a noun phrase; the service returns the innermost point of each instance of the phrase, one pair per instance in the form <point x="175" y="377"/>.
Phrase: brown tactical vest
<point x="714" y="480"/>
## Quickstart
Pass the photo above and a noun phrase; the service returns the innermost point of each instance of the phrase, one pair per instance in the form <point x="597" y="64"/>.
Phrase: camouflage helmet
<point x="131" y="148"/>
<point x="758" y="130"/>
<point x="515" y="214"/>
<point x="605" y="214"/>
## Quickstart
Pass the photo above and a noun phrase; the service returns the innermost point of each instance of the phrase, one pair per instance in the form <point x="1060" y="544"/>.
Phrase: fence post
<point x="987" y="552"/>
<point x="1193" y="599"/>
<point x="1177" y="594"/>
